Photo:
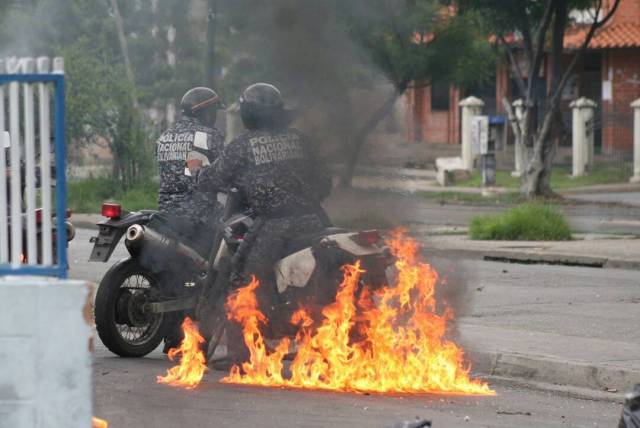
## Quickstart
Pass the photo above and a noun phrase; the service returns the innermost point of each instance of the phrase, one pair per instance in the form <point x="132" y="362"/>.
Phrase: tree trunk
<point x="361" y="136"/>
<point x="538" y="171"/>
<point x="124" y="48"/>
<point x="210" y="60"/>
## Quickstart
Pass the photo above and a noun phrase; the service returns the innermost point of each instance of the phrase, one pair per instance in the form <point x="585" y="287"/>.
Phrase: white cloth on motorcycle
<point x="310" y="239"/>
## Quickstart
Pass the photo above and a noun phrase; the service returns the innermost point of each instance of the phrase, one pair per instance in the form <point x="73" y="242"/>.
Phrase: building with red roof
<point x="609" y="73"/>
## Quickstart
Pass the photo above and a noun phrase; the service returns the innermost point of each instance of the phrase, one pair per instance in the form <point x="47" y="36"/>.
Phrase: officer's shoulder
<point x="240" y="141"/>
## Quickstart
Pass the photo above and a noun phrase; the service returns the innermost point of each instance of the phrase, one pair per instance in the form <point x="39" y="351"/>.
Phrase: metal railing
<point x="28" y="232"/>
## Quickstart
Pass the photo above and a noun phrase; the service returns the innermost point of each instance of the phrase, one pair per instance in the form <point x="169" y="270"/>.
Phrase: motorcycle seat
<point x="307" y="240"/>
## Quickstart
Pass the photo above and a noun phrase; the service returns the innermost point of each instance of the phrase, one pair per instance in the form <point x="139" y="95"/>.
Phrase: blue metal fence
<point x="60" y="267"/>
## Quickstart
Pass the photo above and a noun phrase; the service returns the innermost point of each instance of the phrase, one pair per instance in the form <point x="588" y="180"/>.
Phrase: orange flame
<point x="99" y="423"/>
<point x="390" y="340"/>
<point x="192" y="365"/>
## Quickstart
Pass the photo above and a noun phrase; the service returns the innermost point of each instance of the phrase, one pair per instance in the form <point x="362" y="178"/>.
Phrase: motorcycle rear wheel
<point x="122" y="325"/>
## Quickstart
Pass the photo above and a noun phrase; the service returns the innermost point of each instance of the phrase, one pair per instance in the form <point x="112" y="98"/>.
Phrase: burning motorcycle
<point x="133" y="302"/>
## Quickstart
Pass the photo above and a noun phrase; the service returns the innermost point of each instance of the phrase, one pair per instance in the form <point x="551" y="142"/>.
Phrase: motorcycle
<point x="308" y="275"/>
<point x="70" y="229"/>
<point x="70" y="233"/>
<point x="139" y="296"/>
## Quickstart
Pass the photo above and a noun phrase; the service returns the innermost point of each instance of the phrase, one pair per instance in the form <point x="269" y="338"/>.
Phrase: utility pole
<point x="210" y="59"/>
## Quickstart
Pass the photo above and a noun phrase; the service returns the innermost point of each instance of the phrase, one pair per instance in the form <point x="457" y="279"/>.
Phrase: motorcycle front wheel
<point x="123" y="325"/>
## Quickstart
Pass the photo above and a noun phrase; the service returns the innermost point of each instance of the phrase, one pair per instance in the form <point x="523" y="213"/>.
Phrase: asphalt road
<point x="125" y="392"/>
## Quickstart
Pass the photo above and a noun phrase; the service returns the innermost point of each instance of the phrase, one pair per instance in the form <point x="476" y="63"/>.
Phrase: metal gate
<point x="34" y="235"/>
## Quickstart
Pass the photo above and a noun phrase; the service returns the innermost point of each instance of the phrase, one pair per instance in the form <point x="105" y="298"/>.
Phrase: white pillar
<point x="14" y="67"/>
<point x="583" y="111"/>
<point x="636" y="141"/>
<point x="518" y="106"/>
<point x="29" y="127"/>
<point x="44" y="66"/>
<point x="4" y="243"/>
<point x="471" y="106"/>
<point x="44" y="349"/>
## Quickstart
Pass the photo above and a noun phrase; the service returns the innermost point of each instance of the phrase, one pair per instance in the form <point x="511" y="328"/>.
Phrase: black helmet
<point x="199" y="100"/>
<point x="262" y="107"/>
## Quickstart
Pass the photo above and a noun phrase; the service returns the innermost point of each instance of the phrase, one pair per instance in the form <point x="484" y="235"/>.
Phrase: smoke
<point x="454" y="290"/>
<point x="303" y="47"/>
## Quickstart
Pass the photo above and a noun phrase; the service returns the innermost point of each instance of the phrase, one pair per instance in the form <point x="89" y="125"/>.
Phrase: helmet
<point x="262" y="107"/>
<point x="199" y="100"/>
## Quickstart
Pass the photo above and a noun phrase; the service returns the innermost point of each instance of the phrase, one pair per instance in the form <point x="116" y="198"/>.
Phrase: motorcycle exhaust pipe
<point x="138" y="234"/>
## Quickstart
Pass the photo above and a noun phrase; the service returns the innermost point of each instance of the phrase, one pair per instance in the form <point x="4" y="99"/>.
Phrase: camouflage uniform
<point x="178" y="193"/>
<point x="283" y="181"/>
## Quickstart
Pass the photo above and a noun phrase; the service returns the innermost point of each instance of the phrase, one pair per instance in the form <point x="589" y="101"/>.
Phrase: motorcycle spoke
<point x="136" y="334"/>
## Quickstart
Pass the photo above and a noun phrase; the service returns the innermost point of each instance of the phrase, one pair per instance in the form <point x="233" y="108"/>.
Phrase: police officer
<point x="182" y="151"/>
<point x="283" y="181"/>
<point x="193" y="142"/>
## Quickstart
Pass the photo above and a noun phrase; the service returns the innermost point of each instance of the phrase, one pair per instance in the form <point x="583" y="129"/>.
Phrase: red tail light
<point x="111" y="210"/>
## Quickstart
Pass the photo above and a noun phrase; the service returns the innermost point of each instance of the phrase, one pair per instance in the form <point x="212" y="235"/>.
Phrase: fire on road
<point x="387" y="340"/>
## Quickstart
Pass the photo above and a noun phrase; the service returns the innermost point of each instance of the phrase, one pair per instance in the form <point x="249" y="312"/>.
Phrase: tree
<point x="540" y="27"/>
<point x="100" y="108"/>
<point x="414" y="42"/>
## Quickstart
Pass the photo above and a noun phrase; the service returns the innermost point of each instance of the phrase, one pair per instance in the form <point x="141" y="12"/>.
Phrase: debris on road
<point x="418" y="423"/>
<point x="506" y="412"/>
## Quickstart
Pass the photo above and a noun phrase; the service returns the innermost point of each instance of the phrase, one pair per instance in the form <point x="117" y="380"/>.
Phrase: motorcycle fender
<point x="104" y="244"/>
<point x="344" y="242"/>
<point x="295" y="270"/>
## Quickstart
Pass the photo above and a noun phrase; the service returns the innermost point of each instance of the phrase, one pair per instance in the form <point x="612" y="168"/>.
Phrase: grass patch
<point x="87" y="196"/>
<point x="526" y="222"/>
<point x="561" y="178"/>
<point x="503" y="179"/>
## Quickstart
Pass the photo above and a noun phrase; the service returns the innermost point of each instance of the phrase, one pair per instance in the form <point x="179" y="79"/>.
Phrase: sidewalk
<point x="621" y="252"/>
<point x="566" y="326"/>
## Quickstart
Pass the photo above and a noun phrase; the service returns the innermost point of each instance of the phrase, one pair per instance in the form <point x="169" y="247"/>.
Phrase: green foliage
<point x="509" y="16"/>
<point x="503" y="179"/>
<point x="420" y="42"/>
<point x="87" y="196"/>
<point x="526" y="222"/>
<point x="601" y="174"/>
<point x="100" y="106"/>
<point x="561" y="178"/>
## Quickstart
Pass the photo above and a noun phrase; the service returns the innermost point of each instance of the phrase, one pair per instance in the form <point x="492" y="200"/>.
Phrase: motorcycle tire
<point x="116" y="309"/>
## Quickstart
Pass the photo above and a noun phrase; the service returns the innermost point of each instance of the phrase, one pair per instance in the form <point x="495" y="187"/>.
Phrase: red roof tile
<point x="622" y="35"/>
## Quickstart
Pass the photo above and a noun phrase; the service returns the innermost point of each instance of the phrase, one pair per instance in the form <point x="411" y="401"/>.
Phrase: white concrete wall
<point x="45" y="360"/>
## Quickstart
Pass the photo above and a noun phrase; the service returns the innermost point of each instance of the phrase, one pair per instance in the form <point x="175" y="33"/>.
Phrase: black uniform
<point x="178" y="193"/>
<point x="284" y="182"/>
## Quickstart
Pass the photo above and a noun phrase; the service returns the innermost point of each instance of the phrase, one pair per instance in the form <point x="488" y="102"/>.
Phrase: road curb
<point x="551" y="370"/>
<point x="541" y="258"/>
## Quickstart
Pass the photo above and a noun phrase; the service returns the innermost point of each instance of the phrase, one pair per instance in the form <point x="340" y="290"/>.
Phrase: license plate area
<point x="104" y="244"/>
